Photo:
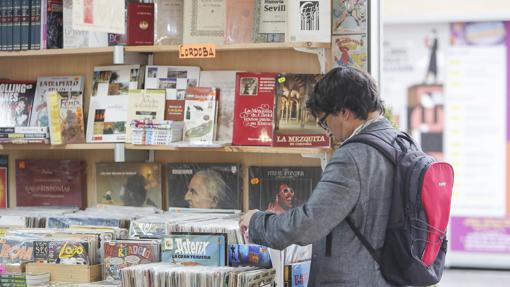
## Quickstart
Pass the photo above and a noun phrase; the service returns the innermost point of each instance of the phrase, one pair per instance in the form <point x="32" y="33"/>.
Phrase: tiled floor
<point x="472" y="278"/>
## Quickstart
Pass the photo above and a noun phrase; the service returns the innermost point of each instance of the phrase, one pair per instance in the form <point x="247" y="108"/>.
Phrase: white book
<point x="145" y="105"/>
<point x="200" y="111"/>
<point x="204" y="21"/>
<point x="309" y="21"/>
<point x="80" y="39"/>
<point x="270" y="21"/>
<point x="108" y="110"/>
<point x="173" y="79"/>
<point x="225" y="81"/>
<point x="168" y="19"/>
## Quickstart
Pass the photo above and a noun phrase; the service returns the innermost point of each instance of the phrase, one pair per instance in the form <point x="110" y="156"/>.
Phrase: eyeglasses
<point x="322" y="121"/>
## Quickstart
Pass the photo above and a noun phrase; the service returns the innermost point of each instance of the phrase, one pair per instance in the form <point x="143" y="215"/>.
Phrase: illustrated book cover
<point x="16" y="101"/>
<point x="191" y="249"/>
<point x="294" y="125"/>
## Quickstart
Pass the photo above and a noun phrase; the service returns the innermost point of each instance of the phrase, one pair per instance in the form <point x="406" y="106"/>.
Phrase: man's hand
<point x="244" y="222"/>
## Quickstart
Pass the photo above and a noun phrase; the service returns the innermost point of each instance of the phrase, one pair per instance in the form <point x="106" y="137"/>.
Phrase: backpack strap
<point x="375" y="254"/>
<point x="386" y="148"/>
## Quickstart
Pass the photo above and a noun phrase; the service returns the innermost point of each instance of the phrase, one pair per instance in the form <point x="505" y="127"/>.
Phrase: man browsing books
<point x="356" y="183"/>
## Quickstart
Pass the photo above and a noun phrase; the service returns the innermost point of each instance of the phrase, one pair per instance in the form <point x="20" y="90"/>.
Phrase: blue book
<point x="206" y="249"/>
<point x="35" y="25"/>
<point x="66" y="222"/>
<point x="297" y="274"/>
<point x="16" y="25"/>
<point x="2" y="24"/>
<point x="249" y="255"/>
<point x="9" y="11"/>
<point x="25" y="24"/>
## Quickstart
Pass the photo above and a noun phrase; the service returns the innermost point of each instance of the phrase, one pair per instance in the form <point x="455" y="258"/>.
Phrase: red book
<point x="253" y="110"/>
<point x="174" y="110"/>
<point x="51" y="183"/>
<point x="140" y="24"/>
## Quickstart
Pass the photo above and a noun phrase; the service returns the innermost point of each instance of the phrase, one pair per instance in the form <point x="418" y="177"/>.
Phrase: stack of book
<point x="156" y="133"/>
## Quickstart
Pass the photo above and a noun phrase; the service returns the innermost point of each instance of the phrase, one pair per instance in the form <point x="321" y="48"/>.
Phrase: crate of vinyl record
<point x="156" y="132"/>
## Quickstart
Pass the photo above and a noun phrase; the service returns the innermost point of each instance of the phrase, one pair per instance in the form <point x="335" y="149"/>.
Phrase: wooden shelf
<point x="231" y="47"/>
<point x="107" y="146"/>
<point x="57" y="52"/>
<point x="160" y="49"/>
<point x="236" y="149"/>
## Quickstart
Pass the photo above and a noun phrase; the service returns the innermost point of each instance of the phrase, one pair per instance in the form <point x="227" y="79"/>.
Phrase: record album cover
<point x="194" y="249"/>
<point x="204" y="185"/>
<point x="278" y="189"/>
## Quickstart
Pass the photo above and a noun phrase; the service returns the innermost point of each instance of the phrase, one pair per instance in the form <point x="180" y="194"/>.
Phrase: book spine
<point x="25" y="24"/>
<point x="24" y="141"/>
<point x="24" y="130"/>
<point x="22" y="136"/>
<point x="3" y="23"/>
<point x="35" y="25"/>
<point x="44" y="23"/>
<point x="9" y="11"/>
<point x="16" y="25"/>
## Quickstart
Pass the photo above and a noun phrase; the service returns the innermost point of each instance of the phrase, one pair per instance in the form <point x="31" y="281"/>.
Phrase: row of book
<point x="48" y="24"/>
<point x="200" y="185"/>
<point x="242" y="108"/>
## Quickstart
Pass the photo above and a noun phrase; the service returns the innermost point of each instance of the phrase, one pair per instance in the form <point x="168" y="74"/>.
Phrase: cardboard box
<point x="67" y="273"/>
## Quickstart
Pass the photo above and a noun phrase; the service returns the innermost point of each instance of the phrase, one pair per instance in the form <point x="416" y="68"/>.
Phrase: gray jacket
<point x="357" y="182"/>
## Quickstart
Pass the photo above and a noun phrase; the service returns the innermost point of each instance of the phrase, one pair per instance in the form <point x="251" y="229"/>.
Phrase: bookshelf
<point x="269" y="57"/>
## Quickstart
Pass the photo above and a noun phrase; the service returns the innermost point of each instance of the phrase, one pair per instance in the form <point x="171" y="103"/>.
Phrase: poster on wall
<point x="476" y="140"/>
<point x="413" y="80"/>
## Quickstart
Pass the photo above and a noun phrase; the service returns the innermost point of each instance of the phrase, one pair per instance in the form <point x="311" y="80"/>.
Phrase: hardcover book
<point x="168" y="19"/>
<point x="349" y="17"/>
<point x="173" y="79"/>
<point x="140" y="30"/>
<point x="108" y="110"/>
<point x="277" y="189"/>
<point x="225" y="82"/>
<point x="216" y="186"/>
<point x="195" y="249"/>
<point x="253" y="110"/>
<point x="200" y="114"/>
<point x="129" y="184"/>
<point x="239" y="21"/>
<point x="122" y="253"/>
<point x="4" y="181"/>
<point x="309" y="21"/>
<point x="70" y="105"/>
<point x="16" y="100"/>
<point x="51" y="183"/>
<point x="350" y="50"/>
<point x="204" y="21"/>
<point x="270" y="21"/>
<point x="294" y="125"/>
<point x="54" y="27"/>
<point x="145" y="105"/>
<point x="74" y="39"/>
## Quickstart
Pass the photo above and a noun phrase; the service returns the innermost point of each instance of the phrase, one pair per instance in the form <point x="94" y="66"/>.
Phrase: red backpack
<point x="415" y="244"/>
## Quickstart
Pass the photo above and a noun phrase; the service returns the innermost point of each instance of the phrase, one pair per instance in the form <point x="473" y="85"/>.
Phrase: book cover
<point x="65" y="86"/>
<point x="174" y="110"/>
<point x="239" y="21"/>
<point x="123" y="253"/>
<point x="73" y="38"/>
<point x="277" y="189"/>
<point x="294" y="125"/>
<point x="350" y="50"/>
<point x="4" y="181"/>
<point x="309" y="21"/>
<point x="20" y="249"/>
<point x="115" y="39"/>
<point x="349" y="17"/>
<point x="145" y="105"/>
<point x="192" y="249"/>
<point x="59" y="251"/>
<point x="202" y="185"/>
<point x="253" y="109"/>
<point x="65" y="115"/>
<point x="54" y="25"/>
<point x="51" y="183"/>
<point x="140" y="30"/>
<point x="204" y="21"/>
<point x="168" y="19"/>
<point x="16" y="100"/>
<point x="173" y="79"/>
<point x="129" y="184"/>
<point x="249" y="255"/>
<point x="200" y="114"/>
<point x="270" y="21"/>
<point x="297" y="274"/>
<point x="108" y="110"/>
<point x="225" y="82"/>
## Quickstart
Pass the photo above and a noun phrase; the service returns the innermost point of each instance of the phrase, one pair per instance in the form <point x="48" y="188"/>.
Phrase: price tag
<point x="197" y="51"/>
